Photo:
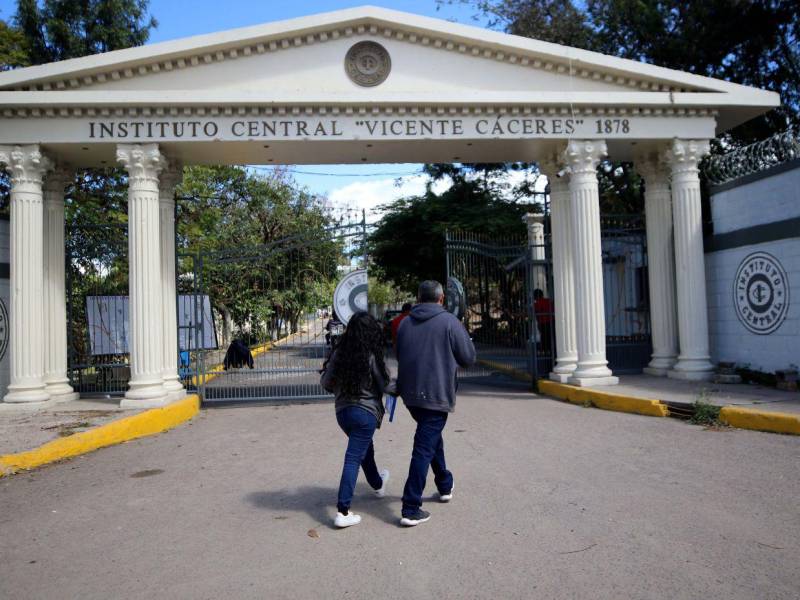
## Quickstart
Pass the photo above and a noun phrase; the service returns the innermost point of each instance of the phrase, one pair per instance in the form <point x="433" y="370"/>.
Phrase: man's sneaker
<point x="385" y="478"/>
<point x="418" y="517"/>
<point x="346" y="520"/>
<point x="448" y="496"/>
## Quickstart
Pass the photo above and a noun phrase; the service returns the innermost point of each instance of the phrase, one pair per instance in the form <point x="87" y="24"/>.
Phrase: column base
<point x="655" y="371"/>
<point x="691" y="375"/>
<point x="61" y="392"/>
<point x="177" y="395"/>
<point x="593" y="381"/>
<point x="149" y="394"/>
<point x="560" y="377"/>
<point x="23" y="394"/>
<point x="25" y="406"/>
<point x="129" y="403"/>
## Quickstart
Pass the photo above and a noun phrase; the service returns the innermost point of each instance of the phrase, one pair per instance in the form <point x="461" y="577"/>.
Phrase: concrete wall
<point x="759" y="214"/>
<point x="4" y="303"/>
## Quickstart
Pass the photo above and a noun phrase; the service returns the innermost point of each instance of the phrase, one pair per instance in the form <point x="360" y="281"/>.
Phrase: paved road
<point x="551" y="501"/>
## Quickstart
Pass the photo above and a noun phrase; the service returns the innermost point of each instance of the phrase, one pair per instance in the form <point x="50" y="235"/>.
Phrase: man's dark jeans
<point x="359" y="425"/>
<point x="428" y="451"/>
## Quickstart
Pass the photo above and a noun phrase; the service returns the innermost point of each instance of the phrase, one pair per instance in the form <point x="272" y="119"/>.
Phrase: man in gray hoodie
<point x="431" y="345"/>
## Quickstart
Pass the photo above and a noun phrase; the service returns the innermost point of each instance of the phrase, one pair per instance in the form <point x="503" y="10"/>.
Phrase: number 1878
<point x="613" y="126"/>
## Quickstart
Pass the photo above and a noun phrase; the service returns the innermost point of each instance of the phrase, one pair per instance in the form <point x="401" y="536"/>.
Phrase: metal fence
<point x="626" y="292"/>
<point x="753" y="158"/>
<point x="97" y="292"/>
<point x="273" y="301"/>
<point x="499" y="277"/>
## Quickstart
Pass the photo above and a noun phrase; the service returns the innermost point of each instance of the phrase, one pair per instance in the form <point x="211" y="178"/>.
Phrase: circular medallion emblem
<point x="3" y="329"/>
<point x="351" y="295"/>
<point x="455" y="298"/>
<point x="367" y="64"/>
<point x="761" y="293"/>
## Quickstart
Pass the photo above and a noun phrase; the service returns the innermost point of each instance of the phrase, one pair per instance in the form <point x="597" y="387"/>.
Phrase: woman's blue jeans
<point x="359" y="425"/>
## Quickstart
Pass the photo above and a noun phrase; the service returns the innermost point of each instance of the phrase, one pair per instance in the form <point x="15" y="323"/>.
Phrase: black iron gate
<point x="508" y="286"/>
<point x="275" y="301"/>
<point x="500" y="278"/>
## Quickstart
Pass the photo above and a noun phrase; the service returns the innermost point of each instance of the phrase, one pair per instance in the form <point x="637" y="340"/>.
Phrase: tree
<point x="752" y="42"/>
<point x="62" y="29"/>
<point x="269" y="254"/>
<point x="13" y="53"/>
<point x="408" y="242"/>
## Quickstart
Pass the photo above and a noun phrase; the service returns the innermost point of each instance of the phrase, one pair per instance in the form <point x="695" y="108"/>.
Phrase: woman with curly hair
<point x="357" y="374"/>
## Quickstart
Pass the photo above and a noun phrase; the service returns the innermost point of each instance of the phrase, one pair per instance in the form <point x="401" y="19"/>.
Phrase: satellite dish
<point x="455" y="298"/>
<point x="351" y="295"/>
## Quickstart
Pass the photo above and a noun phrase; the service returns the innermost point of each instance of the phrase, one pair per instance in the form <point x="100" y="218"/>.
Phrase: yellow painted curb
<point x="605" y="400"/>
<point x="749" y="418"/>
<point x="515" y="373"/>
<point x="143" y="424"/>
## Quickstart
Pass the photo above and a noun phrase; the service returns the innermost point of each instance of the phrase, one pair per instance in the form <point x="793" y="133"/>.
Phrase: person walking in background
<point x="543" y="309"/>
<point x="431" y="345"/>
<point x="395" y="324"/>
<point x="357" y="374"/>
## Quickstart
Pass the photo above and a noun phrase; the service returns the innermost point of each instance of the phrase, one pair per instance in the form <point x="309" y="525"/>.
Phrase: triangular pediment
<point x="303" y="60"/>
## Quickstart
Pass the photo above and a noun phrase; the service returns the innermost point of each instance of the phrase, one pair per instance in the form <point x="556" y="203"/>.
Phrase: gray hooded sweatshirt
<point x="431" y="345"/>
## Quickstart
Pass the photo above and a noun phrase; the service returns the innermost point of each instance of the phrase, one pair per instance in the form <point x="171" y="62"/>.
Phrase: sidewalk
<point x="742" y="405"/>
<point x="32" y="437"/>
<point x="23" y="428"/>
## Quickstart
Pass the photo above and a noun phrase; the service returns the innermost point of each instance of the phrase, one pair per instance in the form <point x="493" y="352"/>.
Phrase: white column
<point x="55" y="300"/>
<point x="534" y="223"/>
<point x="693" y="360"/>
<point x="168" y="180"/>
<point x="660" y="261"/>
<point x="27" y="167"/>
<point x="144" y="163"/>
<point x="583" y="156"/>
<point x="563" y="270"/>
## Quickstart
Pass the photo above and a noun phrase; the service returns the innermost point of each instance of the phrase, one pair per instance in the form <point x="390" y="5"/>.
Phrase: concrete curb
<point x="604" y="400"/>
<point x="735" y="416"/>
<point x="749" y="418"/>
<point x="146" y="423"/>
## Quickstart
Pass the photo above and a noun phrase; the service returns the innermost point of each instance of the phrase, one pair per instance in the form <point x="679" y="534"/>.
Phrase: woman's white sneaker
<point x="448" y="496"/>
<point x="346" y="520"/>
<point x="385" y="478"/>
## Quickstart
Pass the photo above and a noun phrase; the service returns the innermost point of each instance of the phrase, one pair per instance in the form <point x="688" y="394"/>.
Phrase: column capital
<point x="583" y="156"/>
<point x="55" y="183"/>
<point x="554" y="166"/>
<point x="533" y="219"/>
<point x="685" y="155"/>
<point x="25" y="164"/>
<point x="170" y="177"/>
<point x="143" y="162"/>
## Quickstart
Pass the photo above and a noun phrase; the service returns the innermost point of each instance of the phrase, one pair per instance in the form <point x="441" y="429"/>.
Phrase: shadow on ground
<point x="319" y="503"/>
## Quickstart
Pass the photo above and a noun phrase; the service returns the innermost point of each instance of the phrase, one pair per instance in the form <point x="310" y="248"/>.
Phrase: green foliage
<point x="382" y="291"/>
<point x="753" y="42"/>
<point x="13" y="51"/>
<point x="61" y="29"/>
<point x="704" y="412"/>
<point x="268" y="255"/>
<point x="408" y="242"/>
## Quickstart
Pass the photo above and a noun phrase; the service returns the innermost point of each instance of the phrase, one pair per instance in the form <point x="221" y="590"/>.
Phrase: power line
<point x="295" y="172"/>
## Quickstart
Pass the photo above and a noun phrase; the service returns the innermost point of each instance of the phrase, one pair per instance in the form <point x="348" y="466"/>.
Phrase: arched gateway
<point x="354" y="86"/>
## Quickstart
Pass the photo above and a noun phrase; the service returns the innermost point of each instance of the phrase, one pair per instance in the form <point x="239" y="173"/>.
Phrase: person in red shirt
<point x="399" y="319"/>
<point x="543" y="308"/>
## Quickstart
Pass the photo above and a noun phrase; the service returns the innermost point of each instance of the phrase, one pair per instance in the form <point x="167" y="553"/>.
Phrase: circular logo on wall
<point x="351" y="295"/>
<point x="761" y="293"/>
<point x="367" y="64"/>
<point x="3" y="329"/>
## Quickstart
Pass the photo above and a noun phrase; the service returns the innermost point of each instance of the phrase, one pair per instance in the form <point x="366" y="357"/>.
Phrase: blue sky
<point x="368" y="183"/>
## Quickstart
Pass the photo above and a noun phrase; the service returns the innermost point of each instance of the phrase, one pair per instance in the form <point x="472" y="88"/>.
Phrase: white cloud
<point x="370" y="195"/>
